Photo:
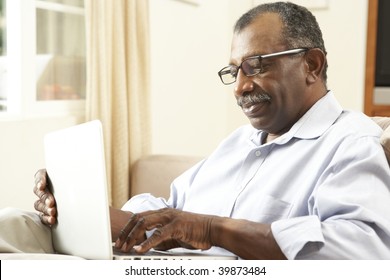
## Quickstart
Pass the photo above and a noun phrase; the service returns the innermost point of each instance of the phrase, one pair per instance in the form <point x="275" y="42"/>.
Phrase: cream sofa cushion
<point x="155" y="173"/>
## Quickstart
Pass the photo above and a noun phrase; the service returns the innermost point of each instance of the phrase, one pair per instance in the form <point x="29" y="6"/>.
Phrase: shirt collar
<point x="312" y="124"/>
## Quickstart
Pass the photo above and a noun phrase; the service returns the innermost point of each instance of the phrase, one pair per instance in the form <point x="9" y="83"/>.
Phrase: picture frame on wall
<point x="191" y="2"/>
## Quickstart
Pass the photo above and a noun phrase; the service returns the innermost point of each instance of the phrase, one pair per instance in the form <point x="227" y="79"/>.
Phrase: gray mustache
<point x="253" y="98"/>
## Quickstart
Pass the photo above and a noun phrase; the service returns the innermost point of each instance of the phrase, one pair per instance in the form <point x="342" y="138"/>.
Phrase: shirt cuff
<point x="298" y="234"/>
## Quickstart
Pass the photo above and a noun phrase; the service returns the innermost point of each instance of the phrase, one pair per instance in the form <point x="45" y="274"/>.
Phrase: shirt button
<point x="258" y="153"/>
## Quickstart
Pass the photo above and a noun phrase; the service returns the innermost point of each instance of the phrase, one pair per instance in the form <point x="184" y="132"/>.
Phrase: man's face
<point x="283" y="78"/>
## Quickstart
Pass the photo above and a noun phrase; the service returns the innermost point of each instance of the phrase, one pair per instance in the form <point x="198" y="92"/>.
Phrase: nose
<point x="243" y="84"/>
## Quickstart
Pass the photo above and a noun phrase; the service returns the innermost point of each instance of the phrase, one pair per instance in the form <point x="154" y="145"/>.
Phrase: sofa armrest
<point x="384" y="123"/>
<point x="155" y="173"/>
<point x="37" y="256"/>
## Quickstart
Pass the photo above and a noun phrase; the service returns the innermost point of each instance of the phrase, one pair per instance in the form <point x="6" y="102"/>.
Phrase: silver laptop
<point x="75" y="164"/>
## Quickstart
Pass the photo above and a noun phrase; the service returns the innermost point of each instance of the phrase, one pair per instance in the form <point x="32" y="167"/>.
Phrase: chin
<point x="264" y="125"/>
<point x="258" y="124"/>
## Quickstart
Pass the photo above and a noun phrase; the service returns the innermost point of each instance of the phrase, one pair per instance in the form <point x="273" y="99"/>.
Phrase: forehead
<point x="262" y="36"/>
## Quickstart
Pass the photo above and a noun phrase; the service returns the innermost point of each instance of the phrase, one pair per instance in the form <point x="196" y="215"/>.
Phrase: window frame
<point x="21" y="53"/>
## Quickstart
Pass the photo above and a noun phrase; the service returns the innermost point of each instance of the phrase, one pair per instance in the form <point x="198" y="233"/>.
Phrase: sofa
<point x="384" y="123"/>
<point x="154" y="173"/>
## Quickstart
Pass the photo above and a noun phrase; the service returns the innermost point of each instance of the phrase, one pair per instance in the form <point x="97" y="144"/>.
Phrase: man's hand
<point x="170" y="226"/>
<point x="46" y="204"/>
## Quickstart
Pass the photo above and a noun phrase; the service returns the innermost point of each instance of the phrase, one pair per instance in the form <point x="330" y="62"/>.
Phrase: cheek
<point x="286" y="100"/>
<point x="286" y="84"/>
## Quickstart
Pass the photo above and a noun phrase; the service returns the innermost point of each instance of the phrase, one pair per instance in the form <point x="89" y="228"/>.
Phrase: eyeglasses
<point x="251" y="66"/>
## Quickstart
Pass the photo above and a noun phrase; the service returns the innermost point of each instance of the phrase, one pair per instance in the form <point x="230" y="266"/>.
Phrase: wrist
<point x="215" y="230"/>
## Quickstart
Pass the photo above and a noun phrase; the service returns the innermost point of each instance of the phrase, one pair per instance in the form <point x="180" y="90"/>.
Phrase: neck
<point x="270" y="137"/>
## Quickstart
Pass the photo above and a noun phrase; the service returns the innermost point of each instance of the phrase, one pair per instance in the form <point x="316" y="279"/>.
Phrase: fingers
<point x="170" y="227"/>
<point x="46" y="213"/>
<point x="160" y="235"/>
<point x="47" y="220"/>
<point x="124" y="232"/>
<point x="46" y="198"/>
<point x="40" y="180"/>
<point x="133" y="233"/>
<point x="45" y="204"/>
<point x="45" y="207"/>
<point x="41" y="186"/>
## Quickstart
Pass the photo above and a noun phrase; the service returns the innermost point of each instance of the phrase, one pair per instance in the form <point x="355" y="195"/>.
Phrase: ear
<point x="315" y="62"/>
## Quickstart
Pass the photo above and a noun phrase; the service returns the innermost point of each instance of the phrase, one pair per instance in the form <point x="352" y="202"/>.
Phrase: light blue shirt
<point x="324" y="186"/>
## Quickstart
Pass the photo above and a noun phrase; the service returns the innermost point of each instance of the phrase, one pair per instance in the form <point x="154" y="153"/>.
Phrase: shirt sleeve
<point x="349" y="209"/>
<point x="144" y="202"/>
<point x="305" y="230"/>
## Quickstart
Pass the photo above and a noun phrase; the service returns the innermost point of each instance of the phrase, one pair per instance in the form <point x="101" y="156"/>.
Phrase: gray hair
<point x="300" y="30"/>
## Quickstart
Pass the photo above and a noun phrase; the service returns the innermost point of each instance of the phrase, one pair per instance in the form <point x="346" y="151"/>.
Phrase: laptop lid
<point x="75" y="163"/>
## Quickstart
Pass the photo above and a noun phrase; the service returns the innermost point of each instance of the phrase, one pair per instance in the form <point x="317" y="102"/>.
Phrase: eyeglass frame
<point x="260" y="58"/>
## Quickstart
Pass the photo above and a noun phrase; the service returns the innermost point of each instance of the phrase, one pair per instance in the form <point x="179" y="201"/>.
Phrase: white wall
<point x="190" y="44"/>
<point x="344" y="27"/>
<point x="191" y="110"/>
<point x="21" y="155"/>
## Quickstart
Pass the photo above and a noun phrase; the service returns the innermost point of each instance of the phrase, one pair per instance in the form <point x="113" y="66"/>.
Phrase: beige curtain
<point x="118" y="85"/>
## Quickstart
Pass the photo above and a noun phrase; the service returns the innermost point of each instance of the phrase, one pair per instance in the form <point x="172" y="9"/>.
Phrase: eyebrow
<point x="244" y="58"/>
<point x="247" y="55"/>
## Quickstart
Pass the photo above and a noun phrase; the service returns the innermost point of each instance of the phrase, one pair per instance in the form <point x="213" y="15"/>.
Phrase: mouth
<point x="252" y="104"/>
<point x="253" y="110"/>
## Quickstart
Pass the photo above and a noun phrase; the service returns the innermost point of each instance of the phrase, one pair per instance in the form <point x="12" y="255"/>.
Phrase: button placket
<point x="252" y="164"/>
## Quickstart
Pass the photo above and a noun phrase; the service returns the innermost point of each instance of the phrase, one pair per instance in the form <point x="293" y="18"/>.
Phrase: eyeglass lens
<point x="250" y="66"/>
